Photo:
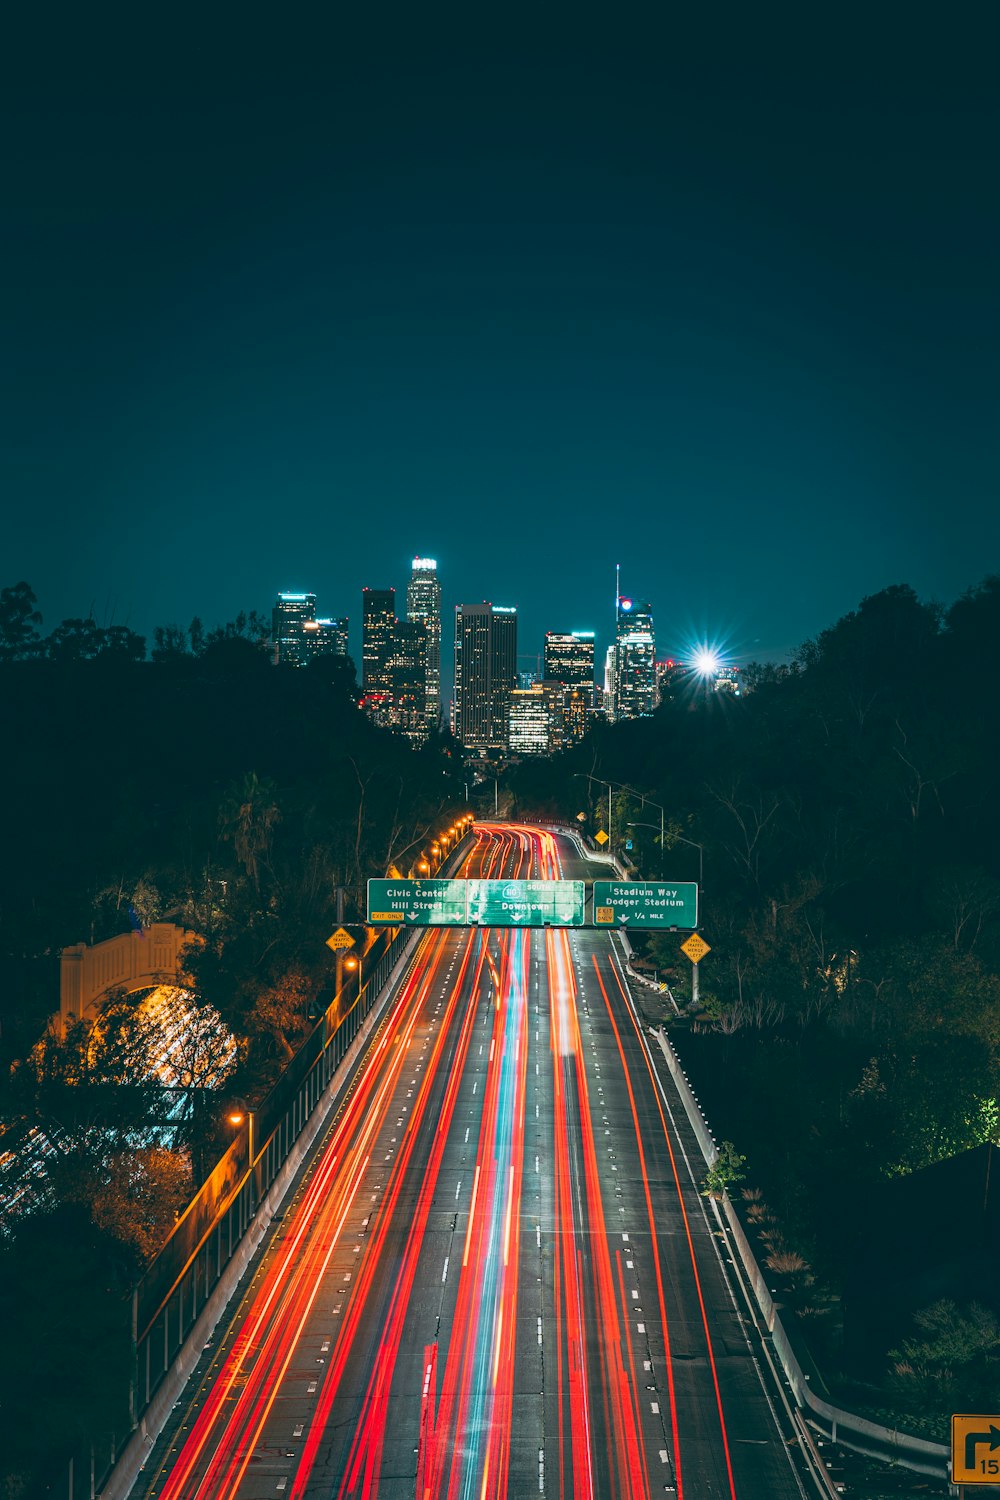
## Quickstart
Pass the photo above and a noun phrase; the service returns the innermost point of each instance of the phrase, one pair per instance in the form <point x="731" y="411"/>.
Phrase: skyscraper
<point x="485" y="673"/>
<point x="408" y="674"/>
<point x="378" y="623"/>
<point x="536" y="724"/>
<point x="423" y="606"/>
<point x="290" y="615"/>
<point x="569" y="658"/>
<point x="324" y="638"/>
<point x="569" y="662"/>
<point x="634" y="661"/>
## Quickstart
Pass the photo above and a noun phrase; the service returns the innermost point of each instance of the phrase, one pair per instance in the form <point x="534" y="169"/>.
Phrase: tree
<point x="170" y="643"/>
<point x="123" y="644"/>
<point x="252" y="627"/>
<point x="726" y="1170"/>
<point x="246" y="820"/>
<point x="964" y="900"/>
<point x="76" y="640"/>
<point x="18" y="618"/>
<point x="281" y="1010"/>
<point x="196" y="635"/>
<point x="95" y="1088"/>
<point x="868" y="663"/>
<point x="136" y="1197"/>
<point x="955" y="1366"/>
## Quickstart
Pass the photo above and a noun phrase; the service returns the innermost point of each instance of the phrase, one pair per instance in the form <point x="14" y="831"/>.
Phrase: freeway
<point x="497" y="1276"/>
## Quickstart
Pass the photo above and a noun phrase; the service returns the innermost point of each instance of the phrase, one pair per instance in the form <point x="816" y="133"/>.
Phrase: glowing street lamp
<point x="240" y="1115"/>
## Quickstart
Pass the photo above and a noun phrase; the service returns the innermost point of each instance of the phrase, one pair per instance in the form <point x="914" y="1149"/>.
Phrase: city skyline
<point x="530" y="305"/>
<point x="551" y="644"/>
<point x="495" y="705"/>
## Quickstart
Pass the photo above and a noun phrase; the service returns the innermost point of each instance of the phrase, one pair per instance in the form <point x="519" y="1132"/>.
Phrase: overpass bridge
<point x="131" y="961"/>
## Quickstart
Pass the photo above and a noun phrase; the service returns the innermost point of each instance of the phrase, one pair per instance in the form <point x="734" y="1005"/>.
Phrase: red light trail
<point x="456" y="1252"/>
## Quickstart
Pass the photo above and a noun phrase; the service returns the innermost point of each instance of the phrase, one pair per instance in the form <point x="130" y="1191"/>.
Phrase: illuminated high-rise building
<point x="408" y="675"/>
<point x="298" y="637"/>
<point x="423" y="606"/>
<point x="579" y="709"/>
<point x="485" y="673"/>
<point x="535" y="719"/>
<point x="634" y="672"/>
<point x="569" y="658"/>
<point x="378" y="624"/>
<point x="289" y="617"/>
<point x="324" y="638"/>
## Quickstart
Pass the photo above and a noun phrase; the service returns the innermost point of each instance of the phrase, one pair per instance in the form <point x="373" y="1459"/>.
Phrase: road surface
<point x="497" y="1276"/>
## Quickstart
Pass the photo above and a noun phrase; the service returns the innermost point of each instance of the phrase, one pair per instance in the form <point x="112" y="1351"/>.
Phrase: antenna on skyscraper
<point x="618" y="584"/>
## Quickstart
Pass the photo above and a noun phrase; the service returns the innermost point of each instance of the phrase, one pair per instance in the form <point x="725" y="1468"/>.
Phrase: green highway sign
<point x="645" y="903"/>
<point x="526" y="903"/>
<point x="417" y="903"/>
<point x="530" y="903"/>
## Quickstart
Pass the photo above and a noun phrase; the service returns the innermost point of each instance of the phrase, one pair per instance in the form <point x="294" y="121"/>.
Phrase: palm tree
<point x="246" y="818"/>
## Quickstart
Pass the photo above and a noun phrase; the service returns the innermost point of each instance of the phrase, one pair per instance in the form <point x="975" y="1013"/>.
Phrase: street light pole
<point x="653" y="827"/>
<point x="338" y="971"/>
<point x="586" y="776"/>
<point x="701" y="874"/>
<point x="701" y="863"/>
<point x="679" y="837"/>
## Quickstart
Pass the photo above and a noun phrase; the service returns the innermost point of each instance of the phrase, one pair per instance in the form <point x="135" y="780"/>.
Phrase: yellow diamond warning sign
<point x="340" y="939"/>
<point x="600" y="837"/>
<point x="695" y="948"/>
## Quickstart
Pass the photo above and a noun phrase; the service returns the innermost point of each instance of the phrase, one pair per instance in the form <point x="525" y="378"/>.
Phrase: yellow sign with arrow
<point x="975" y="1450"/>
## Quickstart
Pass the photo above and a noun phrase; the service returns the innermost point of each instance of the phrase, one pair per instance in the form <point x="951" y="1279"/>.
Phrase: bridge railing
<point x="177" y="1285"/>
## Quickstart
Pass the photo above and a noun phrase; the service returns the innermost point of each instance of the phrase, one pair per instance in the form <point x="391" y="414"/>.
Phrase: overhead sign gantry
<point x="531" y="903"/>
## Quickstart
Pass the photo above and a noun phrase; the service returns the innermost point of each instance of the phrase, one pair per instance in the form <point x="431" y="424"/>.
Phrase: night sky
<point x="711" y="292"/>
